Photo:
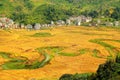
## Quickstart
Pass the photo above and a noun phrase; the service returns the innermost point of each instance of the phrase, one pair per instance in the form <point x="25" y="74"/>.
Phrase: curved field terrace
<point x="48" y="54"/>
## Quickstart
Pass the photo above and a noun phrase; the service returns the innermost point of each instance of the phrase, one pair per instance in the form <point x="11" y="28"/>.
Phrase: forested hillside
<point x="43" y="11"/>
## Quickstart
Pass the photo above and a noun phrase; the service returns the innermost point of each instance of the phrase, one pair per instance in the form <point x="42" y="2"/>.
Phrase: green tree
<point x="116" y="13"/>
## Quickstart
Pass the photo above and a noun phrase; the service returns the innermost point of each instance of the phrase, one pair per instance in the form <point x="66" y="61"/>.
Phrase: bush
<point x="84" y="76"/>
<point x="109" y="71"/>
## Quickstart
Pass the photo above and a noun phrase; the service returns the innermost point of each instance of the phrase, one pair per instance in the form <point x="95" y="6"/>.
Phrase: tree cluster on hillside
<point x="25" y="11"/>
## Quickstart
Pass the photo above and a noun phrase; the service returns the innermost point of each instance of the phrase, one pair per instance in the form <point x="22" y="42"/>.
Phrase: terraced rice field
<point x="47" y="54"/>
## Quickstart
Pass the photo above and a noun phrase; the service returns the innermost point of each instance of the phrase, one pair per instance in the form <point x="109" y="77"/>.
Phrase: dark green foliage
<point x="116" y="13"/>
<point x="93" y="14"/>
<point x="19" y="17"/>
<point x="50" y="12"/>
<point x="28" y="12"/>
<point x="1" y="4"/>
<point x="118" y="58"/>
<point x="28" y="4"/>
<point x="108" y="71"/>
<point x="84" y="76"/>
<point x="107" y="13"/>
<point x="66" y="77"/>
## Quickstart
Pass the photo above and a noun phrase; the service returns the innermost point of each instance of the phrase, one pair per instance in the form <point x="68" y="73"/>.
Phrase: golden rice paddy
<point x="19" y="42"/>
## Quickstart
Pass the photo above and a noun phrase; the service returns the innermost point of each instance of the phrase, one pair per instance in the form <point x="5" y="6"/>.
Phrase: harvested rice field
<point x="48" y="54"/>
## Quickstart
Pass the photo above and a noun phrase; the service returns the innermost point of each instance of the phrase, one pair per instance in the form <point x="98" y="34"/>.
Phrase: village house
<point x="79" y="20"/>
<point x="16" y="26"/>
<point x="29" y="27"/>
<point x="22" y="26"/>
<point x="74" y="20"/>
<point x="37" y="26"/>
<point x="88" y="19"/>
<point x="52" y="23"/>
<point x="109" y="24"/>
<point x="6" y="22"/>
<point x="68" y="22"/>
<point x="117" y="23"/>
<point x="60" y="23"/>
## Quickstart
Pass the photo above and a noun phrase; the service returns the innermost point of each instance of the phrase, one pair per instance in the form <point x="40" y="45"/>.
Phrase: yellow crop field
<point x="68" y="50"/>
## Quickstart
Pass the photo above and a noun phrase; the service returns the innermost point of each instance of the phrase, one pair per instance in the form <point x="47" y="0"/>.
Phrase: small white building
<point x="110" y="24"/>
<point x="37" y="26"/>
<point x="68" y="21"/>
<point x="22" y="26"/>
<point x="29" y="26"/>
<point x="116" y="23"/>
<point x="60" y="23"/>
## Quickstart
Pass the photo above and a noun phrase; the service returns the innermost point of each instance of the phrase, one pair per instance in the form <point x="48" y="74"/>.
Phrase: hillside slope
<point x="28" y="11"/>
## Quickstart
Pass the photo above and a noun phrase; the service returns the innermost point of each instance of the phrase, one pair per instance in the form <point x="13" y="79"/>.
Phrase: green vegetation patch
<point x="57" y="50"/>
<point x="83" y="51"/>
<point x="68" y="54"/>
<point x="79" y="52"/>
<point x="99" y="41"/>
<point x="41" y="34"/>
<point x="90" y="33"/>
<point x="38" y="64"/>
<point x="117" y="41"/>
<point x="111" y="49"/>
<point x="14" y="64"/>
<point x="53" y="49"/>
<point x="5" y="55"/>
<point x="23" y="62"/>
<point x="111" y="40"/>
<point x="96" y="34"/>
<point x="96" y="53"/>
